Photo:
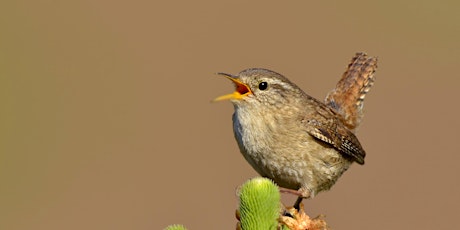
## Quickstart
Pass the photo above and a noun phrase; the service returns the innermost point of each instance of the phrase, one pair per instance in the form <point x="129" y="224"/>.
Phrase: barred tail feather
<point x="348" y="96"/>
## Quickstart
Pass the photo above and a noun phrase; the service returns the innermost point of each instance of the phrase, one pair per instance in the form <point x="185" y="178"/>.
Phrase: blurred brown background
<point x="106" y="120"/>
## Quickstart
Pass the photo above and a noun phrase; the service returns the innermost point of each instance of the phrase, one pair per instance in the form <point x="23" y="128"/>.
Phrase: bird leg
<point x="298" y="202"/>
<point x="301" y="193"/>
<point x="291" y="191"/>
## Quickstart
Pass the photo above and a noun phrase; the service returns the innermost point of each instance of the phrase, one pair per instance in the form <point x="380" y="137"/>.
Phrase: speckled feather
<point x="329" y="129"/>
<point x="348" y="96"/>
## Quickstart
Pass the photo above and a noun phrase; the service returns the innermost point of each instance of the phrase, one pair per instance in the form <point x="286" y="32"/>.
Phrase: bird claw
<point x="297" y="219"/>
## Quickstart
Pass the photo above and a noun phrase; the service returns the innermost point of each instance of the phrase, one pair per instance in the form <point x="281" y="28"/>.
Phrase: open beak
<point x="241" y="90"/>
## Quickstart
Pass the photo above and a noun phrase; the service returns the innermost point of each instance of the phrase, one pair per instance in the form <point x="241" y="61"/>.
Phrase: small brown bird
<point x="302" y="144"/>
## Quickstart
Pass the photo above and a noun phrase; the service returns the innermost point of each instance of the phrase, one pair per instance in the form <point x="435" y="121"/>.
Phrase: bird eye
<point x="263" y="85"/>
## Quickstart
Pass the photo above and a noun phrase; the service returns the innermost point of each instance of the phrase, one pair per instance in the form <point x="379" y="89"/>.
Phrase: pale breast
<point x="287" y="155"/>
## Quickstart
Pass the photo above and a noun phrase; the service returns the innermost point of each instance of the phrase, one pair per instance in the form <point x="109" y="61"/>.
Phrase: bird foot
<point x="297" y="219"/>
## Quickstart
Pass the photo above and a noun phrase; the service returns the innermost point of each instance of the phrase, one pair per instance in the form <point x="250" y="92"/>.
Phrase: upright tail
<point x="348" y="96"/>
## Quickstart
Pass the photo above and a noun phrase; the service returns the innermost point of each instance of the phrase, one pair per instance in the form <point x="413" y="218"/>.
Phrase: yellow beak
<point x="241" y="90"/>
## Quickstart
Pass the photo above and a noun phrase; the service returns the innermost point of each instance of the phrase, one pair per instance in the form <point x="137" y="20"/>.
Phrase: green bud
<point x="259" y="204"/>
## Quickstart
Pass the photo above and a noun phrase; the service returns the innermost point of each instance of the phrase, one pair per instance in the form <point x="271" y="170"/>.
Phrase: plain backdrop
<point x="106" y="120"/>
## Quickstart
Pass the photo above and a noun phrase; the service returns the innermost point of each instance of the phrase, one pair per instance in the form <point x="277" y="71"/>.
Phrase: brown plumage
<point x="301" y="143"/>
<point x="348" y="96"/>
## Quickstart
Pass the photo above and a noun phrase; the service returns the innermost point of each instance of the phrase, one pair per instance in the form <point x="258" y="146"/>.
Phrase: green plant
<point x="259" y="204"/>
